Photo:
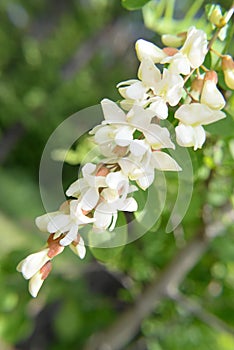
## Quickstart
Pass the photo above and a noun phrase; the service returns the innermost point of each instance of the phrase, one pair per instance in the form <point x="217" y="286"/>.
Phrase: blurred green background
<point x="57" y="57"/>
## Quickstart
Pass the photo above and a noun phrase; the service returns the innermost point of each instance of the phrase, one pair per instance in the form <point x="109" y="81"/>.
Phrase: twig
<point x="196" y="309"/>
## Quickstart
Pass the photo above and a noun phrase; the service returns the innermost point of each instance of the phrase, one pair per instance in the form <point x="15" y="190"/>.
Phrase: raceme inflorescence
<point x="132" y="142"/>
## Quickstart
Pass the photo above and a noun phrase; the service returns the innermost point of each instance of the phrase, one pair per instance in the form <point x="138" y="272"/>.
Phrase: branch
<point x="196" y="309"/>
<point x="127" y="325"/>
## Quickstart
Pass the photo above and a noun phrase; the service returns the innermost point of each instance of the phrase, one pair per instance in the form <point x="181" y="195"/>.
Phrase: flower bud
<point x="228" y="71"/>
<point x="211" y="96"/>
<point x="37" y="280"/>
<point x="174" y="40"/>
<point x="196" y="88"/>
<point x="216" y="16"/>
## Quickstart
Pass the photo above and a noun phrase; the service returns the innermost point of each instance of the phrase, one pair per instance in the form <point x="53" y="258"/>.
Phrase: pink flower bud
<point x="228" y="71"/>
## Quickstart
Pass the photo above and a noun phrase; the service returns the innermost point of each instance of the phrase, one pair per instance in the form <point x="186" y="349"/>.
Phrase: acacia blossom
<point x="190" y="131"/>
<point x="190" y="55"/>
<point x="131" y="143"/>
<point x="153" y="90"/>
<point x="107" y="201"/>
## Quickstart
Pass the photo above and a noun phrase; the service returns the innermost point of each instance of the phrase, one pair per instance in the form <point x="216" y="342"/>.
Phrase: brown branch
<point x="127" y="325"/>
<point x="196" y="309"/>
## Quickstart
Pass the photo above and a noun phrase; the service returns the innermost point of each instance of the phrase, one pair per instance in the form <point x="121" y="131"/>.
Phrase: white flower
<point x="65" y="222"/>
<point x="114" y="198"/>
<point x="142" y="169"/>
<point x="87" y="187"/>
<point x="191" y="54"/>
<point x="152" y="136"/>
<point x="153" y="90"/>
<point x="190" y="132"/>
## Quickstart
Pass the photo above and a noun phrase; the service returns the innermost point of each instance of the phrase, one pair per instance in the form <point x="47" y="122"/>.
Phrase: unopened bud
<point x="174" y="40"/>
<point x="211" y="96"/>
<point x="211" y="75"/>
<point x="196" y="88"/>
<point x="228" y="71"/>
<point x="216" y="16"/>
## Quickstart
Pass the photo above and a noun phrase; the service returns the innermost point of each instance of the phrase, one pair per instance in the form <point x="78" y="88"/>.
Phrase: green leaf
<point x="222" y="128"/>
<point x="208" y="61"/>
<point x="134" y="4"/>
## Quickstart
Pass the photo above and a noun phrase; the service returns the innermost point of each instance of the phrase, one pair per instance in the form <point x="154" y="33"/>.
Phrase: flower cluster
<point x="132" y="143"/>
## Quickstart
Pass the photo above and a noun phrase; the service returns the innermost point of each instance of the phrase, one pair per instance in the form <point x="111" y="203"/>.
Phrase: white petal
<point x="136" y="91"/>
<point x="145" y="181"/>
<point x="76" y="214"/>
<point x="146" y="49"/>
<point x="89" y="199"/>
<point x="196" y="114"/>
<point x="116" y="180"/>
<point x="81" y="250"/>
<point x="35" y="284"/>
<point x="179" y="64"/>
<point x="211" y="96"/>
<point x="140" y="117"/>
<point x="111" y="111"/>
<point x="104" y="134"/>
<point x="129" y="204"/>
<point x="158" y="137"/>
<point x="70" y="236"/>
<point x="43" y="220"/>
<point x="195" y="47"/>
<point x="160" y="108"/>
<point x="103" y="216"/>
<point x="148" y="73"/>
<point x="124" y="136"/>
<point x="126" y="83"/>
<point x="88" y="169"/>
<point x="74" y="189"/>
<point x="33" y="263"/>
<point x="138" y="147"/>
<point x="59" y="223"/>
<point x="162" y="161"/>
<point x="188" y="136"/>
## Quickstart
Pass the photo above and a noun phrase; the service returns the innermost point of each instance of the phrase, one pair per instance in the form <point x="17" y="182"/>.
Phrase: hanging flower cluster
<point x="132" y="143"/>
